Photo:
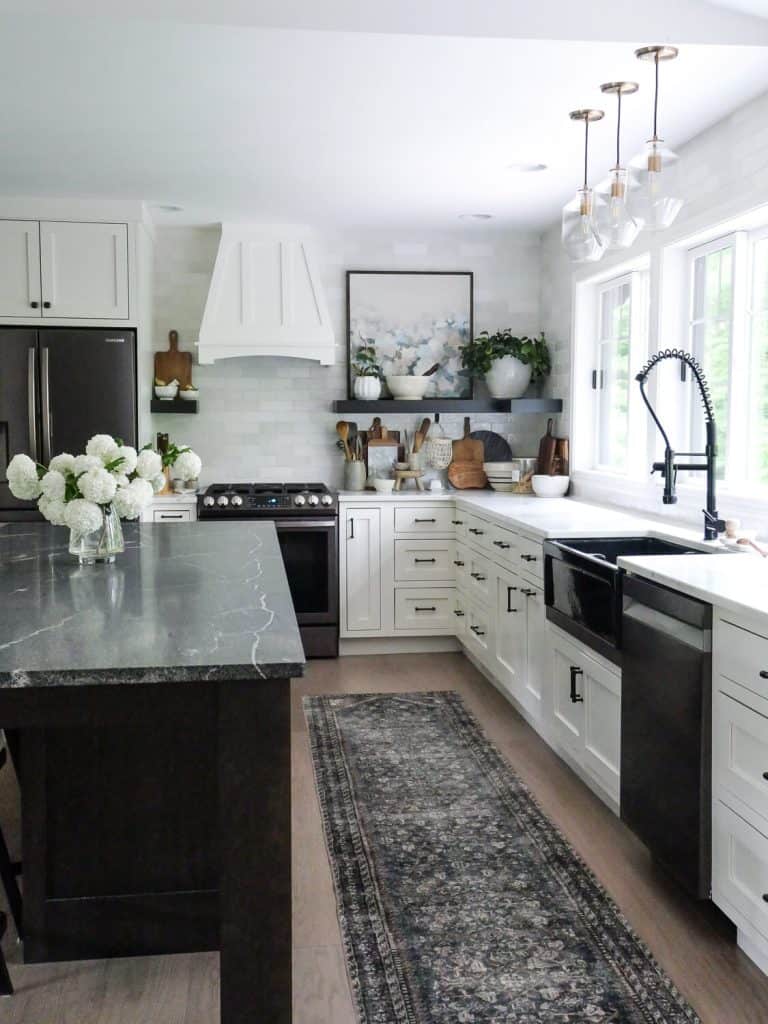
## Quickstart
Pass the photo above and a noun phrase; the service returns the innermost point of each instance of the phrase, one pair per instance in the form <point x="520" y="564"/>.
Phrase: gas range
<point x="265" y="501"/>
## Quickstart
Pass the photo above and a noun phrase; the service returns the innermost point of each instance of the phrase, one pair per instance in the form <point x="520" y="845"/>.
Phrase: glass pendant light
<point x="654" y="171"/>
<point x="616" y="224"/>
<point x="580" y="236"/>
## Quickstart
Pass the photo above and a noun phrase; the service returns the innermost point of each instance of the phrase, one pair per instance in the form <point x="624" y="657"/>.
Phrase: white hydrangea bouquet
<point x="90" y="493"/>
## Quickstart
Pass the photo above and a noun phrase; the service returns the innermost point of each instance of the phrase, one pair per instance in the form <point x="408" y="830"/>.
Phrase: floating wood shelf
<point x="173" y="405"/>
<point x="461" y="405"/>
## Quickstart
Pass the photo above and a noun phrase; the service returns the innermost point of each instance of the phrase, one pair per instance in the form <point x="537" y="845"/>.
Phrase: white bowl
<point x="503" y="485"/>
<point x="412" y="388"/>
<point x="166" y="391"/>
<point x="189" y="396"/>
<point x="383" y="486"/>
<point x="550" y="486"/>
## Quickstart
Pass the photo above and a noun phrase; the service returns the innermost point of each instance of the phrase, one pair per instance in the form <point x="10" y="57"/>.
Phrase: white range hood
<point x="265" y="297"/>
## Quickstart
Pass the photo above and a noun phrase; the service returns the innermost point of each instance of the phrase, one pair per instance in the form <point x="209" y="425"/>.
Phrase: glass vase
<point x="103" y="544"/>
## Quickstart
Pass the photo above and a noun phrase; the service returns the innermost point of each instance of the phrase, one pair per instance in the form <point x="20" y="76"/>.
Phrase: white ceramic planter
<point x="508" y="377"/>
<point x="368" y="389"/>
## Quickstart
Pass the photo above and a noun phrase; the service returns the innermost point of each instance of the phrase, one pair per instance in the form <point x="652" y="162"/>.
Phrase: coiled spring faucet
<point x="713" y="525"/>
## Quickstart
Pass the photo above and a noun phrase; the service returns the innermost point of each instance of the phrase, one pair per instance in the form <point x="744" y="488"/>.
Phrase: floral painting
<point x="415" y="320"/>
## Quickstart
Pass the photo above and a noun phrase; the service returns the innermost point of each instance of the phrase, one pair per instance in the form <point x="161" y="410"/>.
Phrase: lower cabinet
<point x="426" y="611"/>
<point x="586" y="704"/>
<point x="510" y="639"/>
<point x="361" y="568"/>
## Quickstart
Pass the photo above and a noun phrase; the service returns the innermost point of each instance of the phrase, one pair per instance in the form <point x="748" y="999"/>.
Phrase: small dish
<point x="189" y="395"/>
<point x="383" y="486"/>
<point x="408" y="387"/>
<point x="166" y="392"/>
<point x="549" y="486"/>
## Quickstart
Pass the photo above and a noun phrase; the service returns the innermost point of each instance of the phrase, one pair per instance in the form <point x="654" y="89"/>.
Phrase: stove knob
<point x="237" y="501"/>
<point x="313" y="499"/>
<point x="222" y="501"/>
<point x="209" y="501"/>
<point x="326" y="499"/>
<point x="299" y="500"/>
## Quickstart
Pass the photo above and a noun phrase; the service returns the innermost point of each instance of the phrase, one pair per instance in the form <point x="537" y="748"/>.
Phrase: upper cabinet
<point x="265" y="298"/>
<point x="63" y="270"/>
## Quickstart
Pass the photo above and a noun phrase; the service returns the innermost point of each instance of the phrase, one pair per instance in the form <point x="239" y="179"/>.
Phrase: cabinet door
<point x="510" y="633"/>
<point x="568" y="695"/>
<point x="362" y="568"/>
<point x="537" y="672"/>
<point x="20" y="268"/>
<point x="84" y="270"/>
<point x="479" y="634"/>
<point x="602" y="726"/>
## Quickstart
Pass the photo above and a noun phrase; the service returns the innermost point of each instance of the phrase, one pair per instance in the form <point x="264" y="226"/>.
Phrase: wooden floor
<point x="693" y="942"/>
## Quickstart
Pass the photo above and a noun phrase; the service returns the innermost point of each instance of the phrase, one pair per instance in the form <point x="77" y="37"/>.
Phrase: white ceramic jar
<point x="508" y="377"/>
<point x="368" y="389"/>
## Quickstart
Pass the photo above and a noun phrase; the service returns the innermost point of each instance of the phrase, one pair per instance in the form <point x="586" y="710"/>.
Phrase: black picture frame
<point x="411" y="273"/>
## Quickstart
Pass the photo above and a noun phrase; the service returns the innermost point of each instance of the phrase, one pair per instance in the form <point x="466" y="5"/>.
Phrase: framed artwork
<point x="415" y="319"/>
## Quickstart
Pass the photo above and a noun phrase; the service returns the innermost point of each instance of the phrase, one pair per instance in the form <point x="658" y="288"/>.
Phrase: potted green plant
<point x="367" y="372"/>
<point x="508" y="363"/>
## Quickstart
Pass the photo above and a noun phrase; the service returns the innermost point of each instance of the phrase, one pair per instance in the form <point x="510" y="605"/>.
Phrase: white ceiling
<point x="331" y="127"/>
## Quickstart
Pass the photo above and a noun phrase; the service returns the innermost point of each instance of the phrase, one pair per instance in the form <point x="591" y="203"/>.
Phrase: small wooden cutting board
<point x="173" y="364"/>
<point x="467" y="449"/>
<point x="467" y="475"/>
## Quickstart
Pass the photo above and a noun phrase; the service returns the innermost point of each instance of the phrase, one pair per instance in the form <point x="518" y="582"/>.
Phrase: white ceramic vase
<point x="367" y="388"/>
<point x="508" y="377"/>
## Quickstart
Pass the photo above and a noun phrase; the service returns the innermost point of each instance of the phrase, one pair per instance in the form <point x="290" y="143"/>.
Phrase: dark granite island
<point x="147" y="704"/>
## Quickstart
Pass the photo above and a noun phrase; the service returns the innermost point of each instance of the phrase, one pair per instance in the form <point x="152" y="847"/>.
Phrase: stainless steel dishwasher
<point x="666" y="792"/>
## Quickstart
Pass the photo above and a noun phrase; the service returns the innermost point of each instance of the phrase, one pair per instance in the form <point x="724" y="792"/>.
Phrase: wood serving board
<point x="467" y="475"/>
<point x="467" y="449"/>
<point x="173" y="364"/>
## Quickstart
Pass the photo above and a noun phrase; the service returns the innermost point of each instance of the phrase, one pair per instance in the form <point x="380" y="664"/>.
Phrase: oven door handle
<point x="299" y="524"/>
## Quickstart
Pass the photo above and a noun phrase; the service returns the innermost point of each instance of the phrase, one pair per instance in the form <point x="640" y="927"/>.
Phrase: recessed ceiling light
<point x="527" y="168"/>
<point x="475" y="216"/>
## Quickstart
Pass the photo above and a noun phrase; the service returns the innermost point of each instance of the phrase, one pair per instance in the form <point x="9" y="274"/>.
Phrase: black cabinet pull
<point x="528" y="593"/>
<point x="575" y="697"/>
<point x="34" y="305"/>
<point x="764" y="673"/>
<point x="425" y="520"/>
<point x="46" y="305"/>
<point x="477" y="576"/>
<point x="457" y="522"/>
<point x="351" y="529"/>
<point x="765" y="896"/>
<point x="502" y="544"/>
<point x="528" y="558"/>
<point x="458" y="563"/>
<point x="425" y="559"/>
<point x="509" y="599"/>
<point x="478" y="533"/>
<point x="765" y="776"/>
<point x="477" y="631"/>
<point x="417" y="609"/>
<point x="459" y="612"/>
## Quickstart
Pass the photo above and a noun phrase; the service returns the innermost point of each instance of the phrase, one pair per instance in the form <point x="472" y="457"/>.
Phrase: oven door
<point x="310" y="553"/>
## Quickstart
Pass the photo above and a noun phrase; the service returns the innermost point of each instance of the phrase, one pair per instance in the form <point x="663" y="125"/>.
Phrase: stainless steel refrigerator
<point x="58" y="387"/>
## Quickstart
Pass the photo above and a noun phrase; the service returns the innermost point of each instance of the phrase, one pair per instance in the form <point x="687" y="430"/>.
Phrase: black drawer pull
<point x="457" y="522"/>
<point x="46" y="305"/>
<point x="34" y="305"/>
<point x="425" y="520"/>
<point x="528" y="558"/>
<point x="509" y="599"/>
<point x="432" y="609"/>
<point x="477" y="631"/>
<point x="764" y="673"/>
<point x="459" y="612"/>
<point x="479" y="533"/>
<point x="528" y="593"/>
<point x="425" y="559"/>
<point x="765" y="896"/>
<point x="765" y="776"/>
<point x="502" y="544"/>
<point x="575" y="697"/>
<point x="458" y="563"/>
<point x="477" y="576"/>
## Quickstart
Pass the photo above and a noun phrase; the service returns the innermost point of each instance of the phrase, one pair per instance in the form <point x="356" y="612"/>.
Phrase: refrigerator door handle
<point x="45" y="396"/>
<point x="32" y="403"/>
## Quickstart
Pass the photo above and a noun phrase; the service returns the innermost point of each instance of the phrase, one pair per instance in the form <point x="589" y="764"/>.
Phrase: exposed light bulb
<point x="617" y="227"/>
<point x="655" y="196"/>
<point x="580" y="235"/>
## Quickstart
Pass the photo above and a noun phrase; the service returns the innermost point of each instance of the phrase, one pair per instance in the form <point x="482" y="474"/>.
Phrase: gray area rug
<point x="459" y="901"/>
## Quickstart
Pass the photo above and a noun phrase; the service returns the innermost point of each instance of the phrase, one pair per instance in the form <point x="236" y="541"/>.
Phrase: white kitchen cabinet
<point x="425" y="519"/>
<point x="479" y="634"/>
<point x="361" y="568"/>
<point x="424" y="560"/>
<point x="538" y="667"/>
<point x="20" y="268"/>
<point x="567" y="695"/>
<point x="510" y="639"/>
<point x="84" y="270"/>
<point x="425" y="610"/>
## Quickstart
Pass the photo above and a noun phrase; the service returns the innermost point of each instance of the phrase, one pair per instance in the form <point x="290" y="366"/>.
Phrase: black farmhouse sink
<point x="582" y="585"/>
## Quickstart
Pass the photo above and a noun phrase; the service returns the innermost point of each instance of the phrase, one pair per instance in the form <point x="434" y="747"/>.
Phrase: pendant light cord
<point x="586" y="150"/>
<point x="618" y="131"/>
<point x="656" y="100"/>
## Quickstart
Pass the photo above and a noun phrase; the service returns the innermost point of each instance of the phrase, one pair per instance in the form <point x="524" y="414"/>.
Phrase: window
<point x="757" y="430"/>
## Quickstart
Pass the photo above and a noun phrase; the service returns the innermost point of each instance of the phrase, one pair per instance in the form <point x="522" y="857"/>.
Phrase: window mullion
<point x="737" y="454"/>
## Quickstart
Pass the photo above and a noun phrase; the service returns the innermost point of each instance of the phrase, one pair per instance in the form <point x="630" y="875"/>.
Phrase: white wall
<point x="267" y="418"/>
<point x="725" y="175"/>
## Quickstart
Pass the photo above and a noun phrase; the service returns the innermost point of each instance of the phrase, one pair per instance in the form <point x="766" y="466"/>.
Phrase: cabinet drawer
<point x="742" y="656"/>
<point x="740" y="753"/>
<point x="417" y="560"/>
<point x="478" y="631"/>
<point x="461" y="565"/>
<point x="424" y="519"/>
<point x="478" y="532"/>
<point x="739" y="867"/>
<point x="529" y="557"/>
<point x="425" y="610"/>
<point x="504" y="546"/>
<point x="479" y="576"/>
<point x="172" y="515"/>
<point x="460" y="603"/>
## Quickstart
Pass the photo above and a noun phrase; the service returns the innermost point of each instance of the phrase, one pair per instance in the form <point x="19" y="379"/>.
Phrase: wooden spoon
<point x="342" y="429"/>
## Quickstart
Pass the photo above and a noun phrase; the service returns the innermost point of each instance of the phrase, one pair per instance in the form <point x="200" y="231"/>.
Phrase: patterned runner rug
<point x="459" y="901"/>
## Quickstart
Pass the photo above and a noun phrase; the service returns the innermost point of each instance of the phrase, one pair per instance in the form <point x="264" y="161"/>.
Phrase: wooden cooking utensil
<point x="421" y="435"/>
<point x="375" y="431"/>
<point x="431" y="370"/>
<point x="342" y="429"/>
<point x="546" y="460"/>
<point x="466" y="475"/>
<point x="562" y="457"/>
<point x="467" y="450"/>
<point x="173" y="364"/>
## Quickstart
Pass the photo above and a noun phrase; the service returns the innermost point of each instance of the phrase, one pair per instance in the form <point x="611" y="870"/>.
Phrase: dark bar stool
<point x="9" y="872"/>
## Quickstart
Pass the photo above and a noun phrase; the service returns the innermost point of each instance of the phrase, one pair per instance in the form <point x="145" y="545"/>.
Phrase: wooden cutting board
<point x="546" y="460"/>
<point x="173" y="364"/>
<point x="467" y="449"/>
<point x="467" y="475"/>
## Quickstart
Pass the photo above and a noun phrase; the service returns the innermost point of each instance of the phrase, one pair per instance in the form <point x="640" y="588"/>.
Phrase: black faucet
<point x="713" y="524"/>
